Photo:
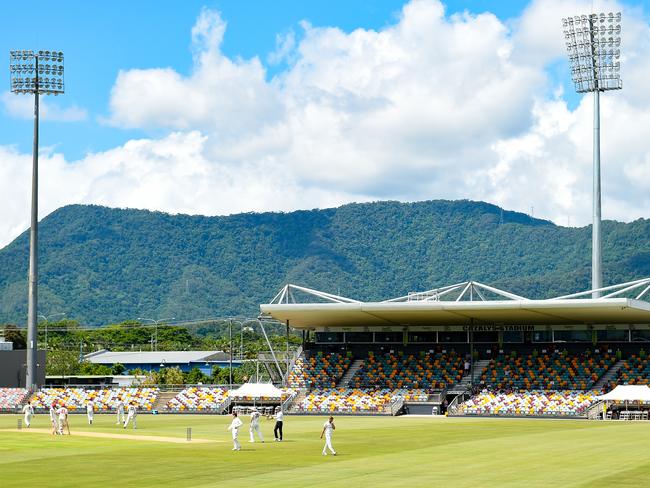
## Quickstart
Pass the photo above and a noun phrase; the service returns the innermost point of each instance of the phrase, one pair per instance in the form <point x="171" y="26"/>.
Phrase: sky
<point x="220" y="107"/>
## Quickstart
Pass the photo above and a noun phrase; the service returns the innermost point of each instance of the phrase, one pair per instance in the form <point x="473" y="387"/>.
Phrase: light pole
<point x="230" y="349"/>
<point x="34" y="73"/>
<point x="47" y="318"/>
<point x="156" y="322"/>
<point x="593" y="43"/>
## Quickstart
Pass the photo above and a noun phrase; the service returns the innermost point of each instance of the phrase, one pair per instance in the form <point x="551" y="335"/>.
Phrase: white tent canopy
<point x="256" y="390"/>
<point x="630" y="393"/>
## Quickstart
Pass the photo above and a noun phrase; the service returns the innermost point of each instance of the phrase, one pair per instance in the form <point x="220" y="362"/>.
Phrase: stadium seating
<point x="395" y="371"/>
<point x="634" y="371"/>
<point x="10" y="398"/>
<point x="319" y="371"/>
<point x="104" y="399"/>
<point x="209" y="399"/>
<point x="546" y="371"/>
<point x="198" y="399"/>
<point x="347" y="400"/>
<point x="529" y="403"/>
<point x="415" y="395"/>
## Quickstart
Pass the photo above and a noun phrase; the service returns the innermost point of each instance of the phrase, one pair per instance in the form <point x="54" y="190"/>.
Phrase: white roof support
<point x="497" y="291"/>
<point x="467" y="291"/>
<point x="286" y="295"/>
<point x="462" y="293"/>
<point x="640" y="295"/>
<point x="615" y="289"/>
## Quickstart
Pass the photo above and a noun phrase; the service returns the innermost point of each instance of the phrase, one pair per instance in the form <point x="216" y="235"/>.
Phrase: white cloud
<point x="433" y="106"/>
<point x="284" y="48"/>
<point x="170" y="174"/>
<point x="22" y="107"/>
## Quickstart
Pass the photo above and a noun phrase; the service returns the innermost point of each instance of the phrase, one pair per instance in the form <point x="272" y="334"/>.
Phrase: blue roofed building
<point x="157" y="360"/>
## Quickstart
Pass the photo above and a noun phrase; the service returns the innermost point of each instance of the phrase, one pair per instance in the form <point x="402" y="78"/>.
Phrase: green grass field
<point x="403" y="451"/>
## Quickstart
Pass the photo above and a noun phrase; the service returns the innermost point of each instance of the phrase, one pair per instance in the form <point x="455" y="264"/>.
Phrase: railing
<point x="396" y="405"/>
<point x="594" y="411"/>
<point x="286" y="404"/>
<point x="454" y="408"/>
<point x="225" y="405"/>
<point x="438" y="396"/>
<point x="163" y="387"/>
<point x="297" y="354"/>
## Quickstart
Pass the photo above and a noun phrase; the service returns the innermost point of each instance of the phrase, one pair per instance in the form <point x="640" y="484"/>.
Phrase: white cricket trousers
<point x="235" y="439"/>
<point x="91" y="417"/>
<point x="28" y="419"/>
<point x="328" y="445"/>
<point x="255" y="428"/>
<point x="120" y="417"/>
<point x="131" y="418"/>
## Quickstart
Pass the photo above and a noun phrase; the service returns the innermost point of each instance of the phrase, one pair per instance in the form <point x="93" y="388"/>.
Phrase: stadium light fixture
<point x="156" y="322"/>
<point x="593" y="46"/>
<point x="37" y="73"/>
<point x="46" y="319"/>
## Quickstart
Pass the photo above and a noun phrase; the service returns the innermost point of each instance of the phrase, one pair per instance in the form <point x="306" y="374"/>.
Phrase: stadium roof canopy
<point x="155" y="357"/>
<point x="467" y="303"/>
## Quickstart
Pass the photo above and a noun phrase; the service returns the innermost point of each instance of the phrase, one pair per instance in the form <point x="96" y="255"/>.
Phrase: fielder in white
<point x="28" y="410"/>
<point x="119" y="408"/>
<point x="55" y="426"/>
<point x="90" y="412"/>
<point x="63" y="419"/>
<point x="234" y="427"/>
<point x="328" y="429"/>
<point x="255" y="426"/>
<point x="131" y="415"/>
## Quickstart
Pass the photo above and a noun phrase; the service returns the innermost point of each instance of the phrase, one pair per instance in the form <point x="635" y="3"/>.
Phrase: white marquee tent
<point x="256" y="390"/>
<point x="628" y="393"/>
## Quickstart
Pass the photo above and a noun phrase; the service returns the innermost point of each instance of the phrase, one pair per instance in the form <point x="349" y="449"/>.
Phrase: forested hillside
<point x="102" y="265"/>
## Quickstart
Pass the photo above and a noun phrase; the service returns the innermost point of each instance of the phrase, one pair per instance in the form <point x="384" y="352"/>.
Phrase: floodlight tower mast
<point x="35" y="73"/>
<point x="593" y="43"/>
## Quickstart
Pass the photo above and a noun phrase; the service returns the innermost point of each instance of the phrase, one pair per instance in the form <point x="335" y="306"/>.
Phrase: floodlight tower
<point x="593" y="43"/>
<point x="35" y="73"/>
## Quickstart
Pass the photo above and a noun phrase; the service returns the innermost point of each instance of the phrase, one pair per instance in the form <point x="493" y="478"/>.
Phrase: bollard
<point x="20" y="424"/>
<point x="189" y="434"/>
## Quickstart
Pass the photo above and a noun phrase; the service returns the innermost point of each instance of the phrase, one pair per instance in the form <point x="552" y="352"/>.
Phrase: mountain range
<point x="102" y="265"/>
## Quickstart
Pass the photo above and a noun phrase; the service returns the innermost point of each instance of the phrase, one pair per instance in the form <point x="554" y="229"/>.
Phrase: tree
<point x="13" y="334"/>
<point x="62" y="363"/>
<point x="118" y="369"/>
<point x="152" y="378"/>
<point x="172" y="376"/>
<point x="195" y="376"/>
<point x="95" y="369"/>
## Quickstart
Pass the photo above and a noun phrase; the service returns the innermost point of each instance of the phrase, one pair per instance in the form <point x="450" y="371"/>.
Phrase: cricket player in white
<point x="90" y="412"/>
<point x="255" y="426"/>
<point x="328" y="429"/>
<point x="120" y="411"/>
<point x="28" y="410"/>
<point x="131" y="415"/>
<point x="234" y="427"/>
<point x="63" y="419"/>
<point x="55" y="427"/>
<point x="279" y="422"/>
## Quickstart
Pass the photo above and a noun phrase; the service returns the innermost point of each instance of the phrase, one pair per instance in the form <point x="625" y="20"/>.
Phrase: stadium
<point x="464" y="385"/>
<point x="424" y="380"/>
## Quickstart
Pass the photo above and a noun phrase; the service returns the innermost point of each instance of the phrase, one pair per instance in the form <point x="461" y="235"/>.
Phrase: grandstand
<point x="104" y="399"/>
<point x="526" y="357"/>
<point x="562" y="371"/>
<point x="12" y="398"/>
<point x="199" y="399"/>
<point x="467" y="349"/>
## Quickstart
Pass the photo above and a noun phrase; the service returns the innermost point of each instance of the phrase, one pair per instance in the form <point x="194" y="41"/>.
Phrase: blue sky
<point x="98" y="42"/>
<point x="372" y="100"/>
